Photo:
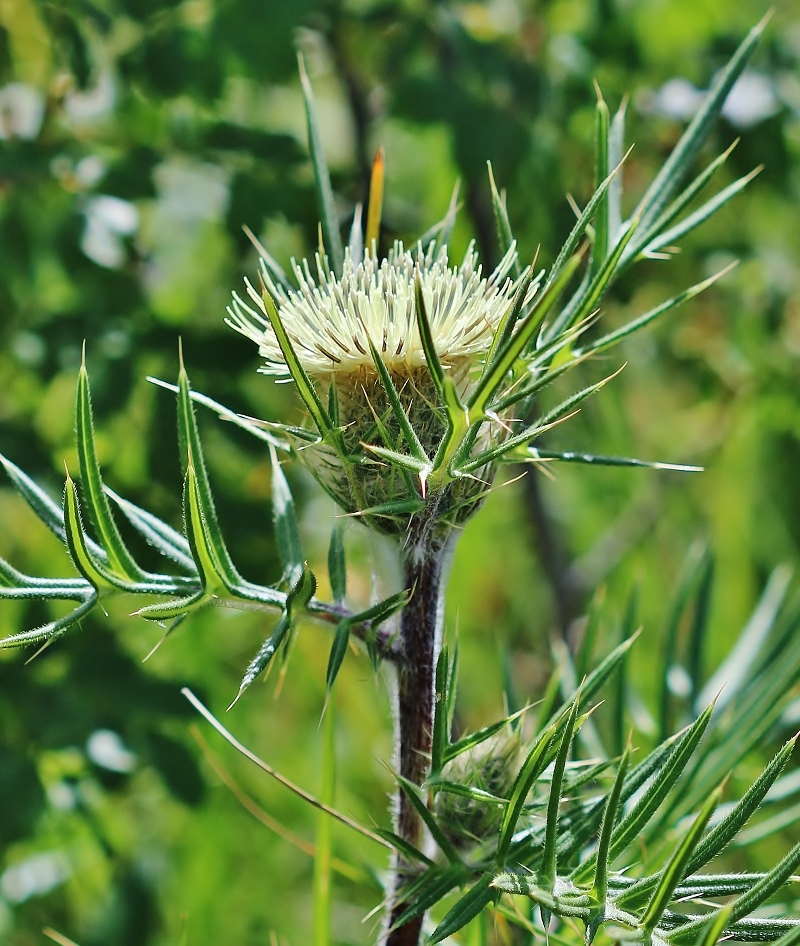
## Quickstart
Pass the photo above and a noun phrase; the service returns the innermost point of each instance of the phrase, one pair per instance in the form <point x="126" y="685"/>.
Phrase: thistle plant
<point x="420" y="377"/>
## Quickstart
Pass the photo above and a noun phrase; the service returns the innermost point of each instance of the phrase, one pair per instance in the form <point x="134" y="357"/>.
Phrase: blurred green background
<point x="136" y="139"/>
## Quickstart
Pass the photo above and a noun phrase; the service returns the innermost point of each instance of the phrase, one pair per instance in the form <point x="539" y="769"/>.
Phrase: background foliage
<point x="137" y="139"/>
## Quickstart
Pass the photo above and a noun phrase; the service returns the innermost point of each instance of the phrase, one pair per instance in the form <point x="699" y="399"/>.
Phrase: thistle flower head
<point x="332" y="321"/>
<point x="384" y="340"/>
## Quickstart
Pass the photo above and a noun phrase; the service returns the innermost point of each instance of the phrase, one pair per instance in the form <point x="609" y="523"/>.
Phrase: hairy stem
<point x="425" y="566"/>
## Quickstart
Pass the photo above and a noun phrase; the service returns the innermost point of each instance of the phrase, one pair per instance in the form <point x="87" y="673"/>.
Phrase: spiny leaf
<point x="600" y="885"/>
<point x="676" y="208"/>
<point x="426" y="337"/>
<point x="161" y="536"/>
<point x="424" y="898"/>
<point x="592" y="459"/>
<point x="533" y="766"/>
<point x="53" y="630"/>
<point x="93" y="570"/>
<point x="635" y="325"/>
<point x="547" y="871"/>
<point x="297" y="599"/>
<point x="616" y="142"/>
<point x="601" y="159"/>
<point x="576" y="905"/>
<point x="287" y="533"/>
<point x="304" y="385"/>
<point x="588" y="295"/>
<point x="675" y="869"/>
<point x="192" y="457"/>
<point x="505" y="237"/>
<point x="337" y="564"/>
<point x="582" y="223"/>
<point x="330" y="223"/>
<point x="688" y="582"/>
<point x="252" y="425"/>
<point x="710" y="207"/>
<point x="467" y="908"/>
<point x="51" y="514"/>
<point x="412" y="441"/>
<point x="120" y="559"/>
<point x="506" y="356"/>
<point x="668" y="179"/>
<point x="412" y="793"/>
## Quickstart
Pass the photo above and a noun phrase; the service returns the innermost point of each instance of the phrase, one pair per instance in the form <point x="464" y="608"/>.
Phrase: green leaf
<point x="90" y="566"/>
<point x="505" y="237"/>
<point x="601" y="158"/>
<point x="589" y="294"/>
<point x="666" y="182"/>
<point x="409" y="852"/>
<point x="563" y="905"/>
<point x="120" y="559"/>
<point x="676" y="233"/>
<point x="51" y="514"/>
<point x="507" y="355"/>
<point x="533" y="766"/>
<point x="192" y="457"/>
<point x="412" y="793"/>
<point x="471" y="740"/>
<point x="688" y="582"/>
<point x="423" y="897"/>
<point x="616" y="142"/>
<point x="53" y="630"/>
<point x="579" y="229"/>
<point x="737" y="667"/>
<point x="337" y="563"/>
<point x="300" y="594"/>
<point x="412" y="441"/>
<point x="467" y="908"/>
<point x="592" y="459"/>
<point x="330" y="222"/>
<point x="252" y="425"/>
<point x="304" y="385"/>
<point x="676" y="208"/>
<point x="440" y="738"/>
<point x="610" y="812"/>
<point x="402" y="460"/>
<point x="636" y="819"/>
<point x="284" y="517"/>
<point x="547" y="871"/>
<point x="792" y="938"/>
<point x="341" y="638"/>
<point x="161" y="536"/>
<point x="635" y="325"/>
<point x="675" y="869"/>
<point x="426" y="338"/>
<point x="675" y="759"/>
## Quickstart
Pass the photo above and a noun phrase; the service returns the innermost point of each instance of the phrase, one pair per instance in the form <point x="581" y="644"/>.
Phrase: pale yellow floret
<point x="330" y="321"/>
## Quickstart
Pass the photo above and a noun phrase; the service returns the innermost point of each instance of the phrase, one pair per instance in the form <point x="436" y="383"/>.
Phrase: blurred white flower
<point x="108" y="219"/>
<point x="21" y="111"/>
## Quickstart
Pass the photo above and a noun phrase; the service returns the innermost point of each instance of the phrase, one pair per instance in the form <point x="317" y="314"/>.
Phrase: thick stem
<point x="425" y="568"/>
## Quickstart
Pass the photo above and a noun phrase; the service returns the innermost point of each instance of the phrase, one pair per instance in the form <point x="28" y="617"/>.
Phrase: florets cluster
<point x="331" y="321"/>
